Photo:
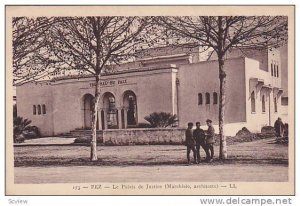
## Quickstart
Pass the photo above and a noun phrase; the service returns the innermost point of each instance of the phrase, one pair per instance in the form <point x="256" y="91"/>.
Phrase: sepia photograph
<point x="148" y="100"/>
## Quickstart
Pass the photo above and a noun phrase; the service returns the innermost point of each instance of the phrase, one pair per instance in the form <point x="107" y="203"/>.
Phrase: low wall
<point x="143" y="136"/>
<point x="84" y="136"/>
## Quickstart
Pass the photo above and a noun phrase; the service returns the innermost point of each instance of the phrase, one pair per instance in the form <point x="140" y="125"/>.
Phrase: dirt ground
<point x="168" y="173"/>
<point x="260" y="160"/>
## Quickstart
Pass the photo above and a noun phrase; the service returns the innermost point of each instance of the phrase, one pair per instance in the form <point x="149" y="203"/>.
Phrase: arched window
<point x="39" y="109"/>
<point x="112" y="113"/>
<point x="275" y="104"/>
<point x="130" y="105"/>
<point x="207" y="98"/>
<point x="200" y="99"/>
<point x="44" y="109"/>
<point x="277" y="71"/>
<point x="112" y="103"/>
<point x="215" y="98"/>
<point x="109" y="104"/>
<point x="252" y="102"/>
<point x="263" y="104"/>
<point x="87" y="101"/>
<point x="271" y="69"/>
<point x="34" y="110"/>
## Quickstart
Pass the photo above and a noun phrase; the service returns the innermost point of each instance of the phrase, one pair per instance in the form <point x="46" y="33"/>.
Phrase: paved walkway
<point x="47" y="141"/>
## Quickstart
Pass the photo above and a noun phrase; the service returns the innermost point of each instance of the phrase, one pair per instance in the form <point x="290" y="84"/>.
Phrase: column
<point x="125" y="117"/>
<point x="119" y="118"/>
<point x="99" y="119"/>
<point x="105" y="119"/>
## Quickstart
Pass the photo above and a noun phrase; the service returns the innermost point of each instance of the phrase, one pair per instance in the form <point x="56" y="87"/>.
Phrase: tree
<point x="89" y="45"/>
<point x="222" y="33"/>
<point x="22" y="129"/>
<point x="161" y="119"/>
<point x="30" y="60"/>
<point x="15" y="111"/>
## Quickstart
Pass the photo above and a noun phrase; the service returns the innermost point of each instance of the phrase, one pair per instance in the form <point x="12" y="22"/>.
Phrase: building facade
<point x="177" y="81"/>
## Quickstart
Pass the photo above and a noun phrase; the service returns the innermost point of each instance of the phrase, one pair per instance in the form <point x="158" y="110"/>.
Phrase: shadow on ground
<point x="151" y="162"/>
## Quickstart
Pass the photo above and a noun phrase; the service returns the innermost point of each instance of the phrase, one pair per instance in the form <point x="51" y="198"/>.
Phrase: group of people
<point x="197" y="138"/>
<point x="281" y="129"/>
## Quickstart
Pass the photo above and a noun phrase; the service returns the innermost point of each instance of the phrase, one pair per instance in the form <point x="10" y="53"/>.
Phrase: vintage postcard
<point x="150" y="100"/>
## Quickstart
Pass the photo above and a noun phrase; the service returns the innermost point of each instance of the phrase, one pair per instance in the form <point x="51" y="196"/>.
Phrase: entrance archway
<point x="87" y="110"/>
<point x="109" y="104"/>
<point x="130" y="105"/>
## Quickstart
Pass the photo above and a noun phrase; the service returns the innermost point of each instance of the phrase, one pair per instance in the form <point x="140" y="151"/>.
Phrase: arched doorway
<point x="130" y="105"/>
<point x="109" y="105"/>
<point x="87" y="110"/>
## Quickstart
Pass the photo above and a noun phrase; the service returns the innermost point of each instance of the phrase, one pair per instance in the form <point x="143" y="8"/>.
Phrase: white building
<point x="163" y="79"/>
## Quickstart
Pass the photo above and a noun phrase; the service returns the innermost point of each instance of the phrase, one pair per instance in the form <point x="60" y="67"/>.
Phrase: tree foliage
<point x="222" y="33"/>
<point x="161" y="119"/>
<point x="23" y="129"/>
<point x="90" y="44"/>
<point x="30" y="59"/>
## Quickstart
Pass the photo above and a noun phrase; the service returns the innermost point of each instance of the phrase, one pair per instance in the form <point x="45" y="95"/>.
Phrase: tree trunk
<point x="94" y="120"/>
<point x="222" y="76"/>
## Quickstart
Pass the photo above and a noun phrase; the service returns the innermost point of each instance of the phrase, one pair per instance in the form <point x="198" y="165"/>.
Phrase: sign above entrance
<point x="110" y="83"/>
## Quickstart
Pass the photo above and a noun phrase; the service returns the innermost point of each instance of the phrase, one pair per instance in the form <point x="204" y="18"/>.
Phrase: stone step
<point x="83" y="133"/>
<point x="66" y="135"/>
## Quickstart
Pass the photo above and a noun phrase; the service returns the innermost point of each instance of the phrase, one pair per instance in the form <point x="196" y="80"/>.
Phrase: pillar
<point x="105" y="119"/>
<point x="125" y="117"/>
<point x="119" y="118"/>
<point x="99" y="119"/>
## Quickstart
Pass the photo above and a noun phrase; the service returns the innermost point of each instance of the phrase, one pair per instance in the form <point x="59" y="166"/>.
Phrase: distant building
<point x="166" y="79"/>
<point x="284" y="82"/>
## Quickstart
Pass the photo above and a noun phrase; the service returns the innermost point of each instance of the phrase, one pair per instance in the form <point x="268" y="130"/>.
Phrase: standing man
<point x="210" y="140"/>
<point x="190" y="142"/>
<point x="279" y="128"/>
<point x="199" y="136"/>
